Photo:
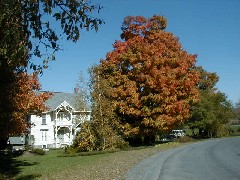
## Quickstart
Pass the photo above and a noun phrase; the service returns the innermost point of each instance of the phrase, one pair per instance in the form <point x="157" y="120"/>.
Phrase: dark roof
<point x="59" y="97"/>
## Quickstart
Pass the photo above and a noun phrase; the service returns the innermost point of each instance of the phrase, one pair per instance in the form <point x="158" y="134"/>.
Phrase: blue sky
<point x="208" y="28"/>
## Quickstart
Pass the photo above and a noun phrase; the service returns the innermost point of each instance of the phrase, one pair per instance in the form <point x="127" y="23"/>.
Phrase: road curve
<point x="215" y="159"/>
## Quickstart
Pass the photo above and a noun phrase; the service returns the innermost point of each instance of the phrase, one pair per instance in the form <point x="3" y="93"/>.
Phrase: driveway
<point x="209" y="160"/>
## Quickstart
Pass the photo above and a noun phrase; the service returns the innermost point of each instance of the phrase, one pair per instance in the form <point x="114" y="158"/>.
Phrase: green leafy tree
<point x="237" y="113"/>
<point x="213" y="111"/>
<point x="28" y="28"/>
<point x="108" y="128"/>
<point x="152" y="79"/>
<point x="105" y="129"/>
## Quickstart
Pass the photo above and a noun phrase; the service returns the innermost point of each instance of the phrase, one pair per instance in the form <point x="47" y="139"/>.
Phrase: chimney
<point x="76" y="90"/>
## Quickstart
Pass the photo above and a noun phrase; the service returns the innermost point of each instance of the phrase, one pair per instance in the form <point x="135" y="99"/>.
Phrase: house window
<point x="44" y="134"/>
<point x="60" y="116"/>
<point x="44" y="119"/>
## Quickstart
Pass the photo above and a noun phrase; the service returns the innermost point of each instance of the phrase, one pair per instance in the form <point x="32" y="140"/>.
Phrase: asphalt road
<point x="215" y="159"/>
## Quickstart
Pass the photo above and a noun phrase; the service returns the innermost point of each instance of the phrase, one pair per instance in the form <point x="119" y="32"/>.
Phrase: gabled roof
<point x="65" y="105"/>
<point x="58" y="98"/>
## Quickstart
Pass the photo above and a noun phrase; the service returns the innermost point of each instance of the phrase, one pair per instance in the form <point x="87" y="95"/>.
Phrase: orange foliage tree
<point x="18" y="99"/>
<point x="153" y="79"/>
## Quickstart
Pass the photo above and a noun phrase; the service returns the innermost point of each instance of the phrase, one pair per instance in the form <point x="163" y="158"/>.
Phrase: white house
<point x="57" y="127"/>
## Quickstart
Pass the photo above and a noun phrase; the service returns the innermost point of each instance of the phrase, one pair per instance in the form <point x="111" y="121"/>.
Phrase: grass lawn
<point x="50" y="166"/>
<point x="29" y="166"/>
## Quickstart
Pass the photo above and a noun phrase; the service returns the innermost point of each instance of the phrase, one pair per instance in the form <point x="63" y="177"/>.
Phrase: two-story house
<point x="57" y="127"/>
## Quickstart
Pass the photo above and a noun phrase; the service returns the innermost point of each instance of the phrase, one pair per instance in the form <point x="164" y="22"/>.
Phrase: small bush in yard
<point x="234" y="131"/>
<point x="238" y="130"/>
<point x="185" y="139"/>
<point x="38" y="151"/>
<point x="71" y="150"/>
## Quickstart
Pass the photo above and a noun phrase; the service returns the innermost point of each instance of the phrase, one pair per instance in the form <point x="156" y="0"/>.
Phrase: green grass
<point x="35" y="166"/>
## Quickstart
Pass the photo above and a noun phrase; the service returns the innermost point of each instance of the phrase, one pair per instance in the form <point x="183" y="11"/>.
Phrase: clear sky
<point x="208" y="28"/>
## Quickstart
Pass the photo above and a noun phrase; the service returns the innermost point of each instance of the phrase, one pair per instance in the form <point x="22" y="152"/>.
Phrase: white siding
<point x="38" y="128"/>
<point x="59" y="123"/>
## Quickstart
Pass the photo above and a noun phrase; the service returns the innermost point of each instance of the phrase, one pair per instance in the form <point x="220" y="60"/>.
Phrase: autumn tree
<point x="108" y="128"/>
<point x="213" y="111"/>
<point x="86" y="138"/>
<point x="151" y="77"/>
<point x="104" y="127"/>
<point x="20" y="102"/>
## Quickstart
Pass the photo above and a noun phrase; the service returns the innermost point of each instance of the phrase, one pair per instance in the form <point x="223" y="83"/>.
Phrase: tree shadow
<point x="10" y="167"/>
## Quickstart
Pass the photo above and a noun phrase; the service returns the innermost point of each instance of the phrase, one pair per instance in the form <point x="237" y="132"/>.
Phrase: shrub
<point x="185" y="139"/>
<point x="71" y="150"/>
<point x="121" y="144"/>
<point x="38" y="151"/>
<point x="222" y="131"/>
<point x="238" y="130"/>
<point x="86" y="138"/>
<point x="234" y="130"/>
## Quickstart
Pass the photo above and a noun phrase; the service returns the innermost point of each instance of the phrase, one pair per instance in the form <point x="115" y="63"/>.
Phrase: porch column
<point x="71" y="135"/>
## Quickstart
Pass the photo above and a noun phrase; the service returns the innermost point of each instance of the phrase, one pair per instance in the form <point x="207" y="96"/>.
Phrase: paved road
<point x="215" y="159"/>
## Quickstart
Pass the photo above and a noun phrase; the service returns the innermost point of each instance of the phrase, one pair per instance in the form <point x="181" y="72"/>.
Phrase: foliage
<point x="86" y="138"/>
<point x="104" y="127"/>
<point x="27" y="28"/>
<point x="234" y="130"/>
<point x="237" y="113"/>
<point x="151" y="78"/>
<point x="213" y="110"/>
<point x="82" y="91"/>
<point x="207" y="81"/>
<point x="185" y="139"/>
<point x="107" y="128"/>
<point x="71" y="151"/>
<point x="38" y="151"/>
<point x="17" y="101"/>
